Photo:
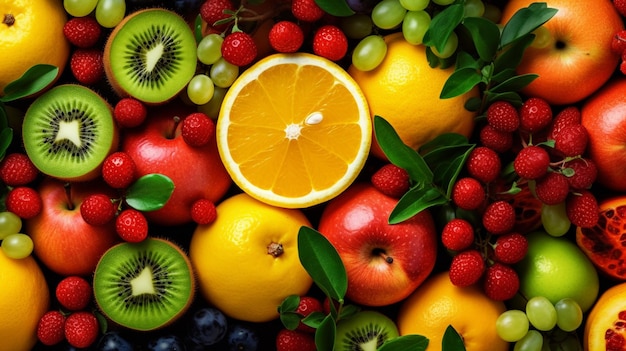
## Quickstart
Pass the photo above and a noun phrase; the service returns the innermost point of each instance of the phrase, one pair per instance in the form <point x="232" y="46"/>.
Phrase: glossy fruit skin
<point x="208" y="326"/>
<point x="197" y="172"/>
<point x="356" y="223"/>
<point x="601" y="332"/>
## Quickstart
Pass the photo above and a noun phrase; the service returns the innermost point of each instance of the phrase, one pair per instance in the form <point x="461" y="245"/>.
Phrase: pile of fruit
<point x="312" y="175"/>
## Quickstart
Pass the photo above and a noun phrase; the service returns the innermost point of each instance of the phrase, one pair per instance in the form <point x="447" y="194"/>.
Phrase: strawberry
<point x="81" y="329"/>
<point x="129" y="112"/>
<point x="552" y="188"/>
<point x="308" y="305"/>
<point x="50" y="328"/>
<point x="466" y="268"/>
<point x="503" y="116"/>
<point x="212" y="11"/>
<point x="239" y="49"/>
<point x="24" y="201"/>
<point x="87" y="66"/>
<point x="571" y="140"/>
<point x="131" y="225"/>
<point x="620" y="6"/>
<point x="197" y="129"/>
<point x="391" y="180"/>
<point x="532" y="162"/>
<point x="494" y="139"/>
<point x="582" y="209"/>
<point x="83" y="32"/>
<point x="483" y="164"/>
<point x="16" y="169"/>
<point x="203" y="211"/>
<point x="118" y="170"/>
<point x="535" y="115"/>
<point x="499" y="217"/>
<point x="330" y="42"/>
<point x="306" y="10"/>
<point x="618" y="44"/>
<point x="286" y="36"/>
<point x="501" y="282"/>
<point x="566" y="117"/>
<point x="73" y="293"/>
<point x="97" y="209"/>
<point x="468" y="193"/>
<point x="510" y="248"/>
<point x="457" y="234"/>
<point x="294" y="340"/>
<point x="582" y="173"/>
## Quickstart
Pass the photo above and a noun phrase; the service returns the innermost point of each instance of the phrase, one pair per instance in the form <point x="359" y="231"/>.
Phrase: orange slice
<point x="294" y="130"/>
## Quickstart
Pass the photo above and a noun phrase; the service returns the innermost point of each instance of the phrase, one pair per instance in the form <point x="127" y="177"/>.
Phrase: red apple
<point x="63" y="241"/>
<point x="384" y="262"/>
<point x="197" y="172"/>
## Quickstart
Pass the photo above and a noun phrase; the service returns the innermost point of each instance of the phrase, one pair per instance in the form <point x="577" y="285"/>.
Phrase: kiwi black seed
<point x="365" y="330"/>
<point x="150" y="55"/>
<point x="144" y="286"/>
<point x="68" y="132"/>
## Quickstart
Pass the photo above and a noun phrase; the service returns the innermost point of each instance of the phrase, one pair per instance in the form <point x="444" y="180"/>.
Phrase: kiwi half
<point x="68" y="132"/>
<point x="364" y="331"/>
<point x="150" y="55"/>
<point x="144" y="286"/>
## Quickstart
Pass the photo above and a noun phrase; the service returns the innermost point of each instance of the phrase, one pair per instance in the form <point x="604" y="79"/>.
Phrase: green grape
<point x="369" y="52"/>
<point x="17" y="245"/>
<point x="357" y="26"/>
<point x="415" y="25"/>
<point x="554" y="219"/>
<point x="388" y="14"/>
<point x="443" y="2"/>
<point x="474" y="8"/>
<point x="512" y="325"/>
<point x="569" y="315"/>
<point x="414" y="5"/>
<point x="209" y="48"/>
<point x="565" y="342"/>
<point x="449" y="48"/>
<point x="79" y="8"/>
<point x="212" y="108"/>
<point x="200" y="89"/>
<point x="532" y="341"/>
<point x="223" y="73"/>
<point x="541" y="313"/>
<point x="10" y="223"/>
<point x="110" y="12"/>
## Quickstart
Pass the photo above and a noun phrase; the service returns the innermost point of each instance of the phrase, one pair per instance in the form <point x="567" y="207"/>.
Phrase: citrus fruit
<point x="604" y="328"/>
<point x="404" y="90"/>
<point x="437" y="303"/>
<point x="294" y="130"/>
<point x="31" y="33"/>
<point x="247" y="260"/>
<point x="24" y="298"/>
<point x="555" y="268"/>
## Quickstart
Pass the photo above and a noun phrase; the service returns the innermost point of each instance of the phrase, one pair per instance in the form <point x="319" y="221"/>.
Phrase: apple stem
<point x="68" y="194"/>
<point x="275" y="249"/>
<point x="388" y="259"/>
<point x="8" y="19"/>
<point x="173" y="132"/>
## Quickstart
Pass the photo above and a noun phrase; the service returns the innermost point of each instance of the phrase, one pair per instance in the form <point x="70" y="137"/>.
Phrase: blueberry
<point x="362" y="6"/>
<point x="166" y="343"/>
<point x="113" y="341"/>
<point x="208" y="326"/>
<point x="242" y="338"/>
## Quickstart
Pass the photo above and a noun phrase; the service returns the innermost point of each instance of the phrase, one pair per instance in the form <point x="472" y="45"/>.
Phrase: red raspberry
<point x="483" y="164"/>
<point x="391" y="180"/>
<point x="50" y="328"/>
<point x="457" y="235"/>
<point x="532" y="162"/>
<point x="83" y="32"/>
<point x="203" y="211"/>
<point x="239" y="49"/>
<point x="501" y="282"/>
<point x="468" y="193"/>
<point x="97" y="209"/>
<point x="308" y="305"/>
<point x="81" y="329"/>
<point x="503" y="116"/>
<point x="566" y="117"/>
<point x="622" y="67"/>
<point x="118" y="170"/>
<point x="581" y="173"/>
<point x="86" y="66"/>
<point x="466" y="268"/>
<point x="330" y="42"/>
<point x="582" y="209"/>
<point x="510" y="248"/>
<point x="212" y="11"/>
<point x="620" y="6"/>
<point x="129" y="112"/>
<point x="306" y="10"/>
<point x="535" y="115"/>
<point x="294" y="340"/>
<point x="286" y="36"/>
<point x="73" y="293"/>
<point x="197" y="129"/>
<point x="24" y="201"/>
<point x="572" y="140"/>
<point x="499" y="217"/>
<point x="131" y="225"/>
<point x="494" y="139"/>
<point x="16" y="169"/>
<point x="552" y="188"/>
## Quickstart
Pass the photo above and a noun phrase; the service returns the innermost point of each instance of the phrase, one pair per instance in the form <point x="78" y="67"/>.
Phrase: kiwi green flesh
<point x="365" y="331"/>
<point x="68" y="132"/>
<point x="144" y="286"/>
<point x="151" y="56"/>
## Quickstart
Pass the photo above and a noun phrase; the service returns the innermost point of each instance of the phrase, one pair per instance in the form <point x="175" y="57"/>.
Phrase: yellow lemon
<point x="247" y="260"/>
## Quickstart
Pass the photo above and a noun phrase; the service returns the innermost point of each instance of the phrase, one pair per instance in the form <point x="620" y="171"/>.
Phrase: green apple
<point x="556" y="268"/>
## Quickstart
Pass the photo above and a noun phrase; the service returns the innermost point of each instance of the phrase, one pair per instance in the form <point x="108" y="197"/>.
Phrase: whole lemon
<point x="247" y="262"/>
<point x="405" y="90"/>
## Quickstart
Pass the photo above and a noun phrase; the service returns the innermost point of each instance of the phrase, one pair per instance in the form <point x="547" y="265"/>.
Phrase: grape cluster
<point x="14" y="243"/>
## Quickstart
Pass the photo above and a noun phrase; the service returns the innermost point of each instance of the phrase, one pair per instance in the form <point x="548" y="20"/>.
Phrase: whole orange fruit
<point x="31" y="32"/>
<point x="578" y="60"/>
<point x="604" y="328"/>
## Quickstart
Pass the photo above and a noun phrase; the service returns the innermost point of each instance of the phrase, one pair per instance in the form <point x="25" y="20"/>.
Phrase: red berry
<point x="24" y="201"/>
<point x="483" y="164"/>
<point x="131" y="225"/>
<point x="16" y="169"/>
<point x="494" y="139"/>
<point x="239" y="49"/>
<point x="330" y="42"/>
<point x="466" y="268"/>
<point x="83" y="32"/>
<point x="620" y="6"/>
<point x="457" y="234"/>
<point x="212" y="11"/>
<point x="97" y="209"/>
<point x="532" y="162"/>
<point x="81" y="329"/>
<point x="118" y="170"/>
<point x="618" y="44"/>
<point x="203" y="211"/>
<point x="468" y="193"/>
<point x="286" y="36"/>
<point x="581" y="173"/>
<point x="501" y="282"/>
<point x="566" y="117"/>
<point x="129" y="112"/>
<point x="552" y="188"/>
<point x="306" y="10"/>
<point x="503" y="116"/>
<point x="510" y="248"/>
<point x="535" y="115"/>
<point x="86" y="66"/>
<point x="391" y="180"/>
<point x="73" y="293"/>
<point x="499" y="217"/>
<point x="294" y="340"/>
<point x="308" y="305"/>
<point x="50" y="328"/>
<point x="197" y="129"/>
<point x="582" y="209"/>
<point x="571" y="140"/>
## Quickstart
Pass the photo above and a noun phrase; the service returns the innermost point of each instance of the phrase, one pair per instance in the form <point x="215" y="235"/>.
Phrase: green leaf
<point x="320" y="259"/>
<point x="465" y="60"/>
<point x="348" y="311"/>
<point x="150" y="192"/>
<point x="32" y="81"/>
<point x="516" y="83"/>
<point x="198" y="28"/>
<point x="473" y="104"/>
<point x="460" y="82"/>
<point x="337" y="8"/>
<point x="452" y="340"/>
<point x="526" y="20"/>
<point x="314" y="319"/>
<point x="410" y="342"/>
<point x="439" y="142"/>
<point x="442" y="25"/>
<point x="290" y="320"/>
<point x="511" y="56"/>
<point x="485" y="35"/>
<point x="325" y="334"/>
<point x="4" y="119"/>
<point x="511" y="96"/>
<point x="6" y="137"/>
<point x="503" y="75"/>
<point x="289" y="304"/>
<point x="414" y="201"/>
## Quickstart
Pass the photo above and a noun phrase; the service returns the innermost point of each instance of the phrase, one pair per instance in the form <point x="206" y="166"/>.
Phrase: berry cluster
<point x="300" y="338"/>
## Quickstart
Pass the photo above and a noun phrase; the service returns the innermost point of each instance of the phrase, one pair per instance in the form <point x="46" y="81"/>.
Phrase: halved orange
<point x="294" y="130"/>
